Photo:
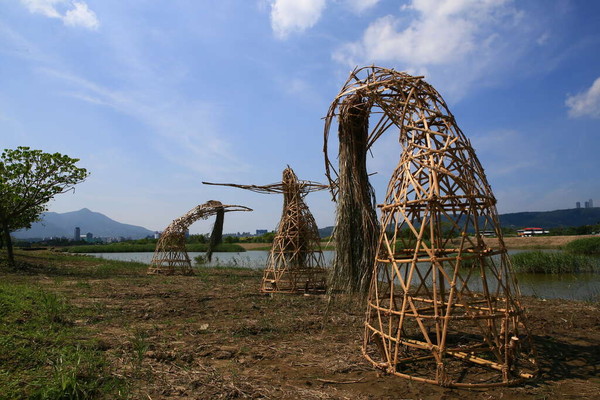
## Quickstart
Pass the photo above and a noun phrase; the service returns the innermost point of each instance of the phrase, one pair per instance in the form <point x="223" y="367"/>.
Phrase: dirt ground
<point x="538" y="242"/>
<point x="213" y="336"/>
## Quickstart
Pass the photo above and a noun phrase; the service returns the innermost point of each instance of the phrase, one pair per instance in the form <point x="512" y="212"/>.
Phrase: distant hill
<point x="552" y="219"/>
<point x="542" y="219"/>
<point x="59" y="225"/>
<point x="326" y="232"/>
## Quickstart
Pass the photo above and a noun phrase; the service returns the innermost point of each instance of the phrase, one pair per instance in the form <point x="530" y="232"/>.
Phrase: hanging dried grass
<point x="355" y="233"/>
<point x="216" y="236"/>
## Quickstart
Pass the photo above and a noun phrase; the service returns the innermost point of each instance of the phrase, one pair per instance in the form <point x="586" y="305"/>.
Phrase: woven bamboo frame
<point x="443" y="307"/>
<point x="170" y="256"/>
<point x="295" y="263"/>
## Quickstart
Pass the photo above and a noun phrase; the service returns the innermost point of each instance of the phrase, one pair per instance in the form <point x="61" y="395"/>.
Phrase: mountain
<point x="326" y="232"/>
<point x="552" y="219"/>
<point x="543" y="219"/>
<point x="59" y="225"/>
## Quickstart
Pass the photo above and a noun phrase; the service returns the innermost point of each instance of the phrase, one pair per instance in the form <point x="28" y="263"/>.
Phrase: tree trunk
<point x="9" y="247"/>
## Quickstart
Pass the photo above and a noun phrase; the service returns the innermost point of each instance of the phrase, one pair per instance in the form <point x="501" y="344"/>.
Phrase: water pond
<point x="563" y="286"/>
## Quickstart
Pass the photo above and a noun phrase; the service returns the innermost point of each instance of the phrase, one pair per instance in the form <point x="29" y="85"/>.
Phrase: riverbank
<point x="516" y="243"/>
<point x="536" y="242"/>
<point x="147" y="248"/>
<point x="267" y="246"/>
<point x="213" y="336"/>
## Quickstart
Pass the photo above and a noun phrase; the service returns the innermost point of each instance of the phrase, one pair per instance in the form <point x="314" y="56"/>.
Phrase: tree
<point x="28" y="180"/>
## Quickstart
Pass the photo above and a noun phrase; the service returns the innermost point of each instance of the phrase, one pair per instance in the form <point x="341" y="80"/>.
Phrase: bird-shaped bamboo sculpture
<point x="170" y="256"/>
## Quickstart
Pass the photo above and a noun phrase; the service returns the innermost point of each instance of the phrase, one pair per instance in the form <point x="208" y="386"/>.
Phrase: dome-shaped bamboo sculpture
<point x="170" y="256"/>
<point x="443" y="307"/>
<point x="295" y="263"/>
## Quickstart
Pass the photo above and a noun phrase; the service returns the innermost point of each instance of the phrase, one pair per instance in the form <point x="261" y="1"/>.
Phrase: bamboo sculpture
<point x="295" y="263"/>
<point x="170" y="256"/>
<point x="443" y="307"/>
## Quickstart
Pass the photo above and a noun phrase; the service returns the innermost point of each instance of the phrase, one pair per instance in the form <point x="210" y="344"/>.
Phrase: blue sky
<point x="156" y="96"/>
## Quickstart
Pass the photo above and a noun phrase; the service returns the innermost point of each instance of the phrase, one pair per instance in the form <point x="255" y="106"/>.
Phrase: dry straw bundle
<point x="170" y="256"/>
<point x="442" y="307"/>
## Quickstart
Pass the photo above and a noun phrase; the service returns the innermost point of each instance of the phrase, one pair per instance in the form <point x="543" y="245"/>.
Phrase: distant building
<point x="238" y="234"/>
<point x="77" y="235"/>
<point x="156" y="235"/>
<point x="578" y="204"/>
<point x="591" y="203"/>
<point x="89" y="237"/>
<point x="261" y="232"/>
<point x="587" y="204"/>
<point x="527" y="232"/>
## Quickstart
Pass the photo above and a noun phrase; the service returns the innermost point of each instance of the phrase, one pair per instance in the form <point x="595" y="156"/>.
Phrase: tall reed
<point x="588" y="246"/>
<point x="539" y="262"/>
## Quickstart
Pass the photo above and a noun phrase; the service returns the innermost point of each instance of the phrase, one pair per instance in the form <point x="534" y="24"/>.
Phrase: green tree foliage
<point x="231" y="239"/>
<point x="197" y="239"/>
<point x="575" y="230"/>
<point x="28" y="180"/>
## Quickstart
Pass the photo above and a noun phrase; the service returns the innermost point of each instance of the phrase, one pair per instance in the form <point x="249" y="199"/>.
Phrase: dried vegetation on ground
<point x="213" y="336"/>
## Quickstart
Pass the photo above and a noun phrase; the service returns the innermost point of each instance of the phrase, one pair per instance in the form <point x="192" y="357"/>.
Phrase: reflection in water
<point x="581" y="286"/>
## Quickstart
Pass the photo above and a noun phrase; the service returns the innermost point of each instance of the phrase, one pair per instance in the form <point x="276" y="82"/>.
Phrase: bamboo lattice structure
<point x="443" y="307"/>
<point x="170" y="255"/>
<point x="295" y="263"/>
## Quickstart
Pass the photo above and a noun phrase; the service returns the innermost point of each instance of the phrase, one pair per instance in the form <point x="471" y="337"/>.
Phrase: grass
<point x="147" y="248"/>
<point x="62" y="265"/>
<point x="43" y="354"/>
<point x="140" y="345"/>
<point x="587" y="246"/>
<point x="553" y="263"/>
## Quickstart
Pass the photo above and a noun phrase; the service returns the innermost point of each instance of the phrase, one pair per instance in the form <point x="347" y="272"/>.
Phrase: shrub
<point x="553" y="262"/>
<point x="589" y="246"/>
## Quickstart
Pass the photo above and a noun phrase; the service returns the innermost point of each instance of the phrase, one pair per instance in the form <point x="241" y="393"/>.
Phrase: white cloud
<point x="543" y="39"/>
<point x="289" y="16"/>
<point x="74" y="13"/>
<point x="194" y="140"/>
<point x="586" y="103"/>
<point x="460" y="43"/>
<point x="82" y="16"/>
<point x="441" y="32"/>
<point x="44" y="7"/>
<point x="360" y="6"/>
